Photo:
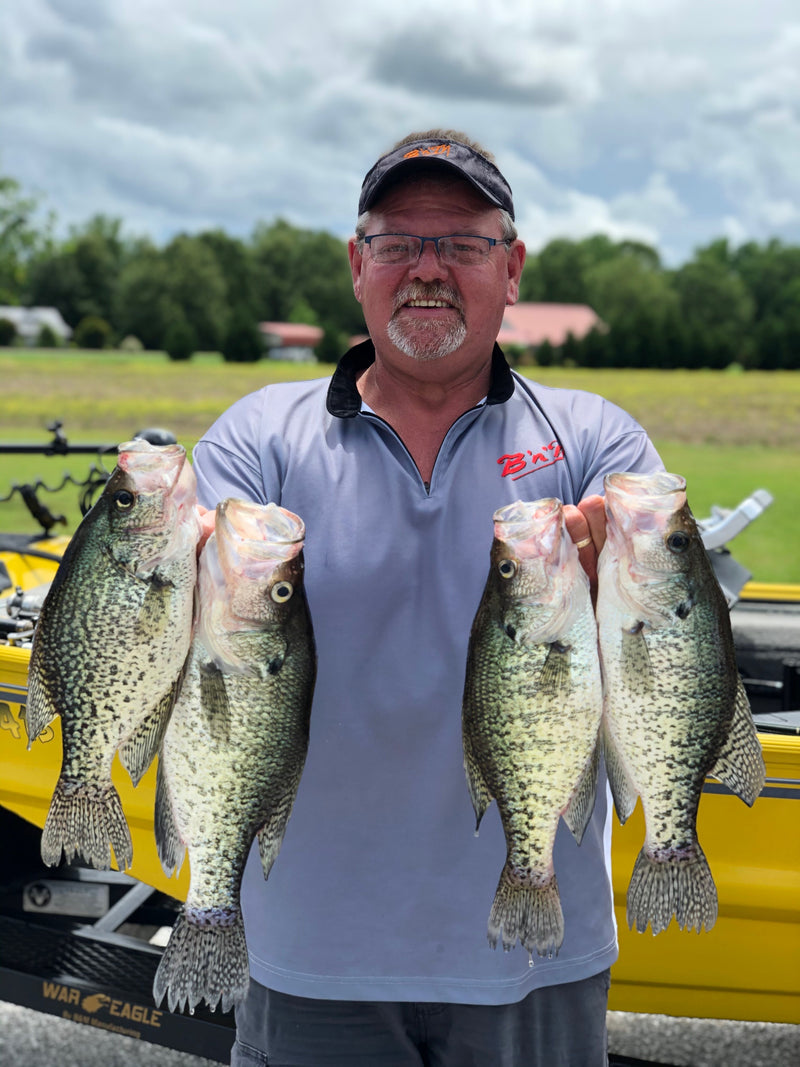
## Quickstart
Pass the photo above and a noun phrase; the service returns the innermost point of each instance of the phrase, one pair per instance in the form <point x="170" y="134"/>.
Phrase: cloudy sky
<point x="670" y="121"/>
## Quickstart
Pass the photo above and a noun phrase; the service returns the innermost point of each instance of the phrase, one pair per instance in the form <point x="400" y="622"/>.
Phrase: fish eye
<point x="678" y="541"/>
<point x="507" y="568"/>
<point x="124" y="500"/>
<point x="281" y="592"/>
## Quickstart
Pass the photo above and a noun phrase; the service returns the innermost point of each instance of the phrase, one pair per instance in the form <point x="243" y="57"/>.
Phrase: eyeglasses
<point x="456" y="249"/>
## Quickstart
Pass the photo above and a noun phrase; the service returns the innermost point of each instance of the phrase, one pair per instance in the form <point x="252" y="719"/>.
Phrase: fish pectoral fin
<point x="555" y="676"/>
<point x="154" y="615"/>
<point x="171" y="849"/>
<point x="138" y="751"/>
<point x="635" y="657"/>
<point x="622" y="789"/>
<point x="214" y="701"/>
<point x="579" y="810"/>
<point x="740" y="764"/>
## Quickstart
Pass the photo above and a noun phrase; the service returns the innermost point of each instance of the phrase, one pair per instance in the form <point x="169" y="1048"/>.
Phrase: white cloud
<point x="662" y="122"/>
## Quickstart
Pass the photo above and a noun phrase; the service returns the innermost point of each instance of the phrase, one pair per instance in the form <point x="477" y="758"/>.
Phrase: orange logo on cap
<point x="434" y="150"/>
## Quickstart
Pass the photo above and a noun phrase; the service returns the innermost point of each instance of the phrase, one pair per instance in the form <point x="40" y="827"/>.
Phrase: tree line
<point x="207" y="292"/>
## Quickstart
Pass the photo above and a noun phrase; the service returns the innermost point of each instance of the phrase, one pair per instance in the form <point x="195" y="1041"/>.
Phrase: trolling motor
<point x="721" y="527"/>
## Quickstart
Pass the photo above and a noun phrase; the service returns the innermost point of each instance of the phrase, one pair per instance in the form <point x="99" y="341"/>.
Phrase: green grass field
<point x="728" y="434"/>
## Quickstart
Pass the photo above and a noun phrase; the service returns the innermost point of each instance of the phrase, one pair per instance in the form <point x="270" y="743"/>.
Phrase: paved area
<point x="30" y="1039"/>
<point x="703" y="1042"/>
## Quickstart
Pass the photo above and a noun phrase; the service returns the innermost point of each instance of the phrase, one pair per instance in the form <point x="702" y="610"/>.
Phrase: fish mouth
<point x="531" y="527"/>
<point x="265" y="533"/>
<point x="649" y="490"/>
<point x="644" y="503"/>
<point x="153" y="467"/>
<point x="161" y="475"/>
<point x="159" y="469"/>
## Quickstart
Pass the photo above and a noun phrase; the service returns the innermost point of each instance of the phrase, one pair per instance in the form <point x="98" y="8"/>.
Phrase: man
<point x="368" y="944"/>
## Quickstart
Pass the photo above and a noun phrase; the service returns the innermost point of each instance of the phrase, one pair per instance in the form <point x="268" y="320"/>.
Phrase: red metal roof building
<point x="295" y="341"/>
<point x="528" y="325"/>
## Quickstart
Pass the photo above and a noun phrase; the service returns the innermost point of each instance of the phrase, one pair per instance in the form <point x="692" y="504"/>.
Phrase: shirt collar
<point x="344" y="399"/>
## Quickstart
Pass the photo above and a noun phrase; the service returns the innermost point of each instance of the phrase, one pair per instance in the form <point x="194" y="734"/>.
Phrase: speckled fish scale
<point x="675" y="708"/>
<point x="111" y="644"/>
<point x="235" y="748"/>
<point x="531" y="713"/>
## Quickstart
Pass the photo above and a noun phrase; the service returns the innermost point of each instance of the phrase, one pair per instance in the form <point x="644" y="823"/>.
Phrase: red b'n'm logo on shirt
<point x="519" y="464"/>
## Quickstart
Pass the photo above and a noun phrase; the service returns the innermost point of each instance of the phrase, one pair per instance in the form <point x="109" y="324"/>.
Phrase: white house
<point x="29" y="322"/>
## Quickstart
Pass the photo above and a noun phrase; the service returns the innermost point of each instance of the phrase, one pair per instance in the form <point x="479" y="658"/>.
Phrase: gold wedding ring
<point x="582" y="544"/>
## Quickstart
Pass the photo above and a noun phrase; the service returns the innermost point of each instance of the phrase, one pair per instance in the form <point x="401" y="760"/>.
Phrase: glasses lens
<point x="464" y="250"/>
<point x="394" y="248"/>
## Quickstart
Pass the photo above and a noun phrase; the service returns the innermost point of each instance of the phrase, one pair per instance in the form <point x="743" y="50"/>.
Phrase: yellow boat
<point x="747" y="967"/>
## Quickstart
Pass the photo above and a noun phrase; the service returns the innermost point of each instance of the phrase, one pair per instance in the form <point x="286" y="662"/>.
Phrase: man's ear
<point x="356" y="260"/>
<point x="516" y="261"/>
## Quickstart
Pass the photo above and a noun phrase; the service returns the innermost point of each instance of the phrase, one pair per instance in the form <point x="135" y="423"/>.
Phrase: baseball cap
<point x="428" y="152"/>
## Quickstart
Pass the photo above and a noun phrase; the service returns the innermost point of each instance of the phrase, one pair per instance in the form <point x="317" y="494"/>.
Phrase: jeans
<point x="556" y="1026"/>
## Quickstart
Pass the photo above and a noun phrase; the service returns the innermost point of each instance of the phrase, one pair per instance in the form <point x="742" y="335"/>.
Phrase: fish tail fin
<point x="205" y="959"/>
<point x="527" y="907"/>
<point x="666" y="885"/>
<point x="86" y="819"/>
<point x="740" y="764"/>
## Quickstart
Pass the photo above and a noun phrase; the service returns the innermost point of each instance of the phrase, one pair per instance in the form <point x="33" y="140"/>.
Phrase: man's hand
<point x="207" y="519"/>
<point x="586" y="524"/>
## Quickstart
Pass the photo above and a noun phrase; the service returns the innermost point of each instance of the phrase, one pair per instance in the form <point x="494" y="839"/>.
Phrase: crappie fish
<point x="111" y="643"/>
<point x="675" y="707"/>
<point x="531" y="713"/>
<point x="234" y="751"/>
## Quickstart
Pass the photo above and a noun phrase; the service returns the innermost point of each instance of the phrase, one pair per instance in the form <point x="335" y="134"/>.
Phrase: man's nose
<point x="429" y="265"/>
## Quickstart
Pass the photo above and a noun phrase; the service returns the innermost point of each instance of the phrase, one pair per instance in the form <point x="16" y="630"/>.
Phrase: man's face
<point x="429" y="309"/>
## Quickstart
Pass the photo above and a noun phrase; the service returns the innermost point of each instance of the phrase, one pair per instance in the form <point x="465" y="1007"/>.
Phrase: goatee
<point x="432" y="339"/>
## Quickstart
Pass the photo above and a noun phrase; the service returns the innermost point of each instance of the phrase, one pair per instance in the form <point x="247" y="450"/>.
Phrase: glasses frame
<point x="491" y="241"/>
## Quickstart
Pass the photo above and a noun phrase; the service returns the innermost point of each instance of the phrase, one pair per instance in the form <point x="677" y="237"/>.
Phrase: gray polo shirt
<point x="381" y="890"/>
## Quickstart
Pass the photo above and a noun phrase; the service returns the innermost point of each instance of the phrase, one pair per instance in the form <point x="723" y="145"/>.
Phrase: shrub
<point x="131" y="344"/>
<point x="47" y="337"/>
<point x="332" y="346"/>
<point x="514" y="353"/>
<point x="243" y="341"/>
<point x="92" y="332"/>
<point x="547" y="355"/>
<point x="180" y="340"/>
<point x="8" y="331"/>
